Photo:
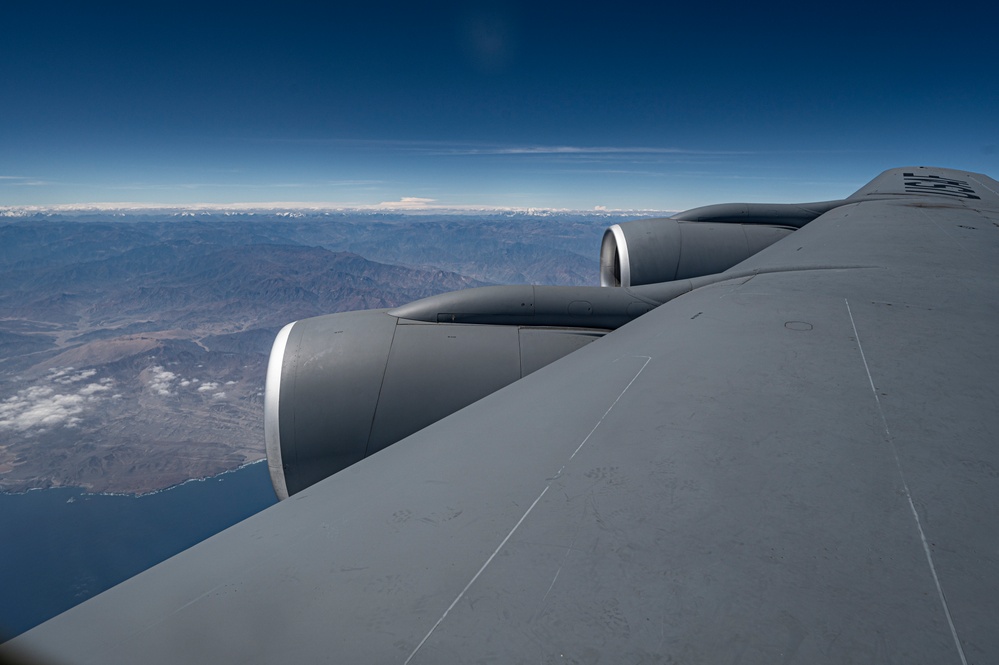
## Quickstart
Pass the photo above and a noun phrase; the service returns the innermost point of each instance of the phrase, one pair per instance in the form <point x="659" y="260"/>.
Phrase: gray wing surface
<point x="795" y="465"/>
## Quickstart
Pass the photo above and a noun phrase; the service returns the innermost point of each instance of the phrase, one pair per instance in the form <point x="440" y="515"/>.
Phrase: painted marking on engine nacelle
<point x="934" y="184"/>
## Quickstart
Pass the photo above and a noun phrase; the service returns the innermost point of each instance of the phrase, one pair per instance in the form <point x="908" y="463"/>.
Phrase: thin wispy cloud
<point x="582" y="150"/>
<point x="142" y="186"/>
<point x="352" y="183"/>
<point x="158" y="186"/>
<point x="407" y="203"/>
<point x="487" y="148"/>
<point x="471" y="148"/>
<point x="627" y="172"/>
<point x="139" y="207"/>
<point x="23" y="181"/>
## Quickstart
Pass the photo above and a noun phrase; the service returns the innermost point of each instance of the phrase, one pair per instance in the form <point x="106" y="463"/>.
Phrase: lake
<point x="59" y="547"/>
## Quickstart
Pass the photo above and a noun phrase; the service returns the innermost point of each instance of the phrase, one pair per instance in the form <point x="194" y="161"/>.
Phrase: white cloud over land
<point x="44" y="407"/>
<point x="164" y="383"/>
<point x="161" y="381"/>
<point x="40" y="407"/>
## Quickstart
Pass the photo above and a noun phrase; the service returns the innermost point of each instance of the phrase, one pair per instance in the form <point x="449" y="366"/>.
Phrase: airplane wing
<point x="796" y="463"/>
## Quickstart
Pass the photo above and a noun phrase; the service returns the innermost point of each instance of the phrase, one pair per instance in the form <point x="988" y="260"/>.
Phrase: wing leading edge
<point x="795" y="464"/>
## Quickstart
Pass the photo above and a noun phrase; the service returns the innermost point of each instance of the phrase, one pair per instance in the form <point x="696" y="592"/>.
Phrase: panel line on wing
<point x="523" y="517"/>
<point x="976" y="180"/>
<point x="905" y="486"/>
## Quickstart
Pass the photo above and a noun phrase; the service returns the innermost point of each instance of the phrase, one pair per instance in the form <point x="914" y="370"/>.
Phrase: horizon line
<point x="406" y="205"/>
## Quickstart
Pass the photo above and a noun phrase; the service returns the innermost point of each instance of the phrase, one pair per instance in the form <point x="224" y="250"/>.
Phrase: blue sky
<point x="488" y="103"/>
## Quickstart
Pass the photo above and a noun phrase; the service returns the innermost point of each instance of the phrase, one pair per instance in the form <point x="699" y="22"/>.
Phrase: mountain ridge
<point x="133" y="351"/>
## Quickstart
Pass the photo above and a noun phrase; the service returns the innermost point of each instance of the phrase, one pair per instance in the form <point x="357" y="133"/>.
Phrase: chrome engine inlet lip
<point x="272" y="404"/>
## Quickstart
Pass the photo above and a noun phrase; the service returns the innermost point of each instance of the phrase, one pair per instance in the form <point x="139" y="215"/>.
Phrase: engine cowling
<point x="343" y="386"/>
<point x="650" y="251"/>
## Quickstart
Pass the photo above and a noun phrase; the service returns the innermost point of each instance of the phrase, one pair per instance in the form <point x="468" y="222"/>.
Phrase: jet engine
<point x="649" y="251"/>
<point x="701" y="241"/>
<point x="344" y="386"/>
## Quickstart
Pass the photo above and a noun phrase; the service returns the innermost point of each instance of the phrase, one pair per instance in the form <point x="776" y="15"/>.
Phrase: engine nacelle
<point x="650" y="251"/>
<point x="343" y="386"/>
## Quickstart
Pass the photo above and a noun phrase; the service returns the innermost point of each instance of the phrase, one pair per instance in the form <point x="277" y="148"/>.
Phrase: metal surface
<point x="564" y="306"/>
<point x="795" y="465"/>
<point x="433" y="370"/>
<point x="654" y="251"/>
<point x="330" y="382"/>
<point x="783" y="214"/>
<point x="541" y="346"/>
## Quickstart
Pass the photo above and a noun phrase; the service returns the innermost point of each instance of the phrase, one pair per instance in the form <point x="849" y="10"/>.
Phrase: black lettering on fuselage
<point x="934" y="184"/>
